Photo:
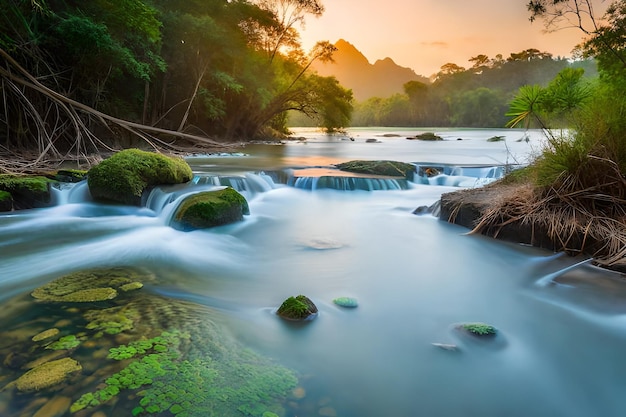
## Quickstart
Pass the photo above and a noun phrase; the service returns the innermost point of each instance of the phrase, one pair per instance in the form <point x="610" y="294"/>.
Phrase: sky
<point x="425" y="34"/>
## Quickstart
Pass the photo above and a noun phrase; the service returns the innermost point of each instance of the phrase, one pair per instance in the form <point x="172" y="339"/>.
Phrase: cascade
<point x="348" y="183"/>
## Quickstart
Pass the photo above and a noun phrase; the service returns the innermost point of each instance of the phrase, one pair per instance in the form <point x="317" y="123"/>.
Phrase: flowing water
<point x="314" y="231"/>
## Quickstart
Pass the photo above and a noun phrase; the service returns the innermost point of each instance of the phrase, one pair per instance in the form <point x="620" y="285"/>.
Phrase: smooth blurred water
<point x="560" y="347"/>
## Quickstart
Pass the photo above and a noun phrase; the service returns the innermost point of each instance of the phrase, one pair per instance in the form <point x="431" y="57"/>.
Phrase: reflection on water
<point x="414" y="277"/>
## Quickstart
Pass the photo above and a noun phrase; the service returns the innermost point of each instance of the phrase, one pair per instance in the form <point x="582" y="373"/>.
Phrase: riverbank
<point x="523" y="213"/>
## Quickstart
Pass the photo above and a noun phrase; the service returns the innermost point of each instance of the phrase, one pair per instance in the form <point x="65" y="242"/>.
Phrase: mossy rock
<point x="297" y="308"/>
<point x="6" y="201"/>
<point x="26" y="191"/>
<point x="124" y="177"/>
<point x="90" y="285"/>
<point x="479" y="329"/>
<point x="210" y="209"/>
<point x="430" y="136"/>
<point x="383" y="168"/>
<point x="496" y="139"/>
<point x="47" y="375"/>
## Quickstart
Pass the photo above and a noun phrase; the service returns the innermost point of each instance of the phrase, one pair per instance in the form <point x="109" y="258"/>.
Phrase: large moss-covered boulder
<point x="210" y="209"/>
<point x="24" y="191"/>
<point x="384" y="168"/>
<point x="125" y="176"/>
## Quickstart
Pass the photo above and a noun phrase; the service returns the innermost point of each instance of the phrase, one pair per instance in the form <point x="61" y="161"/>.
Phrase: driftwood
<point x="16" y="80"/>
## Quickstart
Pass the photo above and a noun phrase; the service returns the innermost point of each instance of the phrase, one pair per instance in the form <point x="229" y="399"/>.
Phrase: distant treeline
<point x="458" y="97"/>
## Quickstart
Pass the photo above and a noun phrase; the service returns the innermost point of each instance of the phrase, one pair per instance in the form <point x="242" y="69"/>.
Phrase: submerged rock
<point x="426" y="136"/>
<point x="297" y="308"/>
<point x="47" y="375"/>
<point x="125" y="176"/>
<point x="210" y="209"/>
<point x="90" y="285"/>
<point x="347" y="302"/>
<point x="46" y="334"/>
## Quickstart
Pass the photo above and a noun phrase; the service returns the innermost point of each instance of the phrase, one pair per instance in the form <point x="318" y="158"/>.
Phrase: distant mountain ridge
<point x="353" y="70"/>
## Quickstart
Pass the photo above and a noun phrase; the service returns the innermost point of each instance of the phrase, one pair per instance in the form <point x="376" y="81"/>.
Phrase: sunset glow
<point x="426" y="34"/>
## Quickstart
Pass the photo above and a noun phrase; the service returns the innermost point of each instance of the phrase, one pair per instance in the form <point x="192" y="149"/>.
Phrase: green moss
<point x="64" y="343"/>
<point x="26" y="191"/>
<point x="480" y="329"/>
<point x="297" y="308"/>
<point x="126" y="175"/>
<point x="47" y="375"/>
<point x="131" y="286"/>
<point x="5" y="196"/>
<point x="113" y="320"/>
<point x="210" y="209"/>
<point x="386" y="168"/>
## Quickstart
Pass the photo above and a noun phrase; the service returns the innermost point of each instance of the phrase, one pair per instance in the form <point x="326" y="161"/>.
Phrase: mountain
<point x="353" y="70"/>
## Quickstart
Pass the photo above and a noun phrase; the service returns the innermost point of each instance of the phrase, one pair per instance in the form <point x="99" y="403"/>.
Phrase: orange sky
<point x="425" y="34"/>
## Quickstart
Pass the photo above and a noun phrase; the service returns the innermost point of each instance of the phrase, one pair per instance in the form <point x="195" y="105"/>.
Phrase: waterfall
<point x="70" y="193"/>
<point x="348" y="183"/>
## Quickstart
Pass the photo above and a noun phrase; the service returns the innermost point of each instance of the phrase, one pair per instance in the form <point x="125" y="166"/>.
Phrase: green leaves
<point x="525" y="106"/>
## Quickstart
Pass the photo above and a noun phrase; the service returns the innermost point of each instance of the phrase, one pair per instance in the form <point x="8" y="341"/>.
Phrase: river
<point x="560" y="342"/>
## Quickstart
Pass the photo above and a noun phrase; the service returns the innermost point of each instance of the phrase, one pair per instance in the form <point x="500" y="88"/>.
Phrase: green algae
<point x="64" y="343"/>
<point x="245" y="384"/>
<point x="46" y="334"/>
<point x="113" y="320"/>
<point x="90" y="285"/>
<point x="47" y="375"/>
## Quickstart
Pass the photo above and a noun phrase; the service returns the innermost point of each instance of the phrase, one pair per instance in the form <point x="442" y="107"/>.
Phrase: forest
<point x="82" y="77"/>
<point x="478" y="96"/>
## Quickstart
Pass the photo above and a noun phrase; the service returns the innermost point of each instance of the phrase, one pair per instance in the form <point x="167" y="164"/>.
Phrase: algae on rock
<point x="90" y="285"/>
<point x="47" y="375"/>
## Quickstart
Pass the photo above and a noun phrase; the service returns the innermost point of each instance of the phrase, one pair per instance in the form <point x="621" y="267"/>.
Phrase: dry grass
<point x="582" y="212"/>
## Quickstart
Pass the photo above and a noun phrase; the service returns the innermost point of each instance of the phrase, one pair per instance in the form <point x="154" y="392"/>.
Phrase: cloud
<point x="436" y="44"/>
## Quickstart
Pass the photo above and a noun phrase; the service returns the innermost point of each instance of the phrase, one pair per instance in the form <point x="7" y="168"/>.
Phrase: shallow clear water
<point x="561" y="330"/>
